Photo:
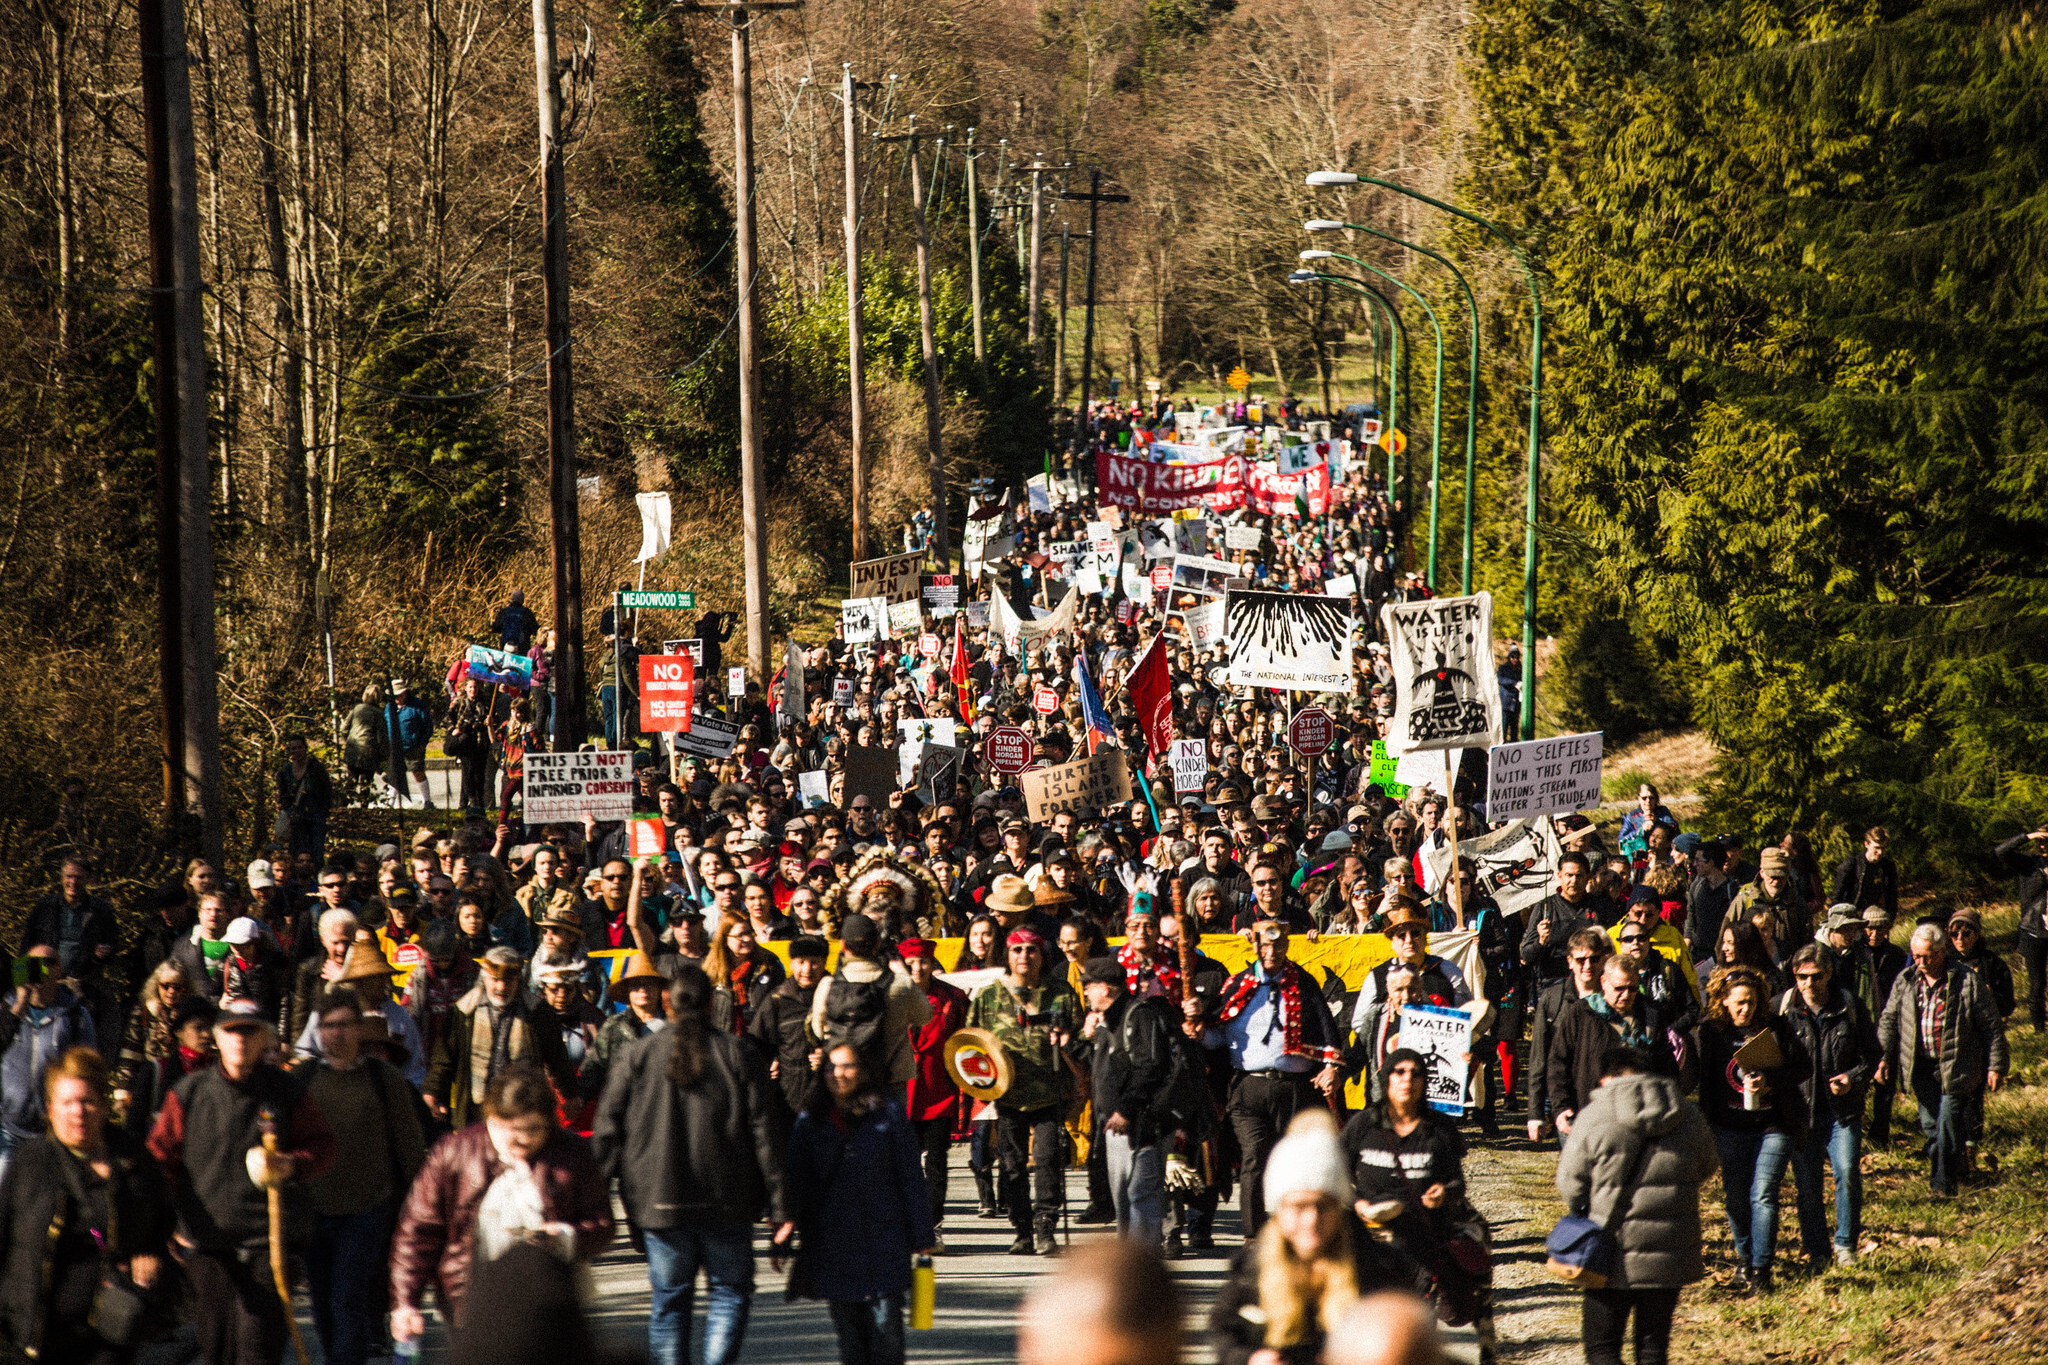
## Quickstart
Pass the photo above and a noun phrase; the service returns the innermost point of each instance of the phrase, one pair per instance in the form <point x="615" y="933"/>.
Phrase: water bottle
<point x="923" y="1288"/>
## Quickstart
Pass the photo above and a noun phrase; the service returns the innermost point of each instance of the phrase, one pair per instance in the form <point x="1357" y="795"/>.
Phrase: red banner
<point x="1138" y="484"/>
<point x="1274" y="494"/>
<point x="668" y="690"/>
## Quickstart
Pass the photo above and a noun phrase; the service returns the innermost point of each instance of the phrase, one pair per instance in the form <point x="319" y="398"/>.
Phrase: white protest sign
<point x="1541" y="776"/>
<point x="866" y="619"/>
<point x="1342" y="586"/>
<point x="735" y="682"/>
<point x="1242" y="537"/>
<point x="812" y="787"/>
<point x="1190" y="761"/>
<point x="1205" y="624"/>
<point x="1425" y="767"/>
<point x="842" y="691"/>
<point x="563" y="787"/>
<point x="1089" y="583"/>
<point x="1445" y="1037"/>
<point x="1135" y="586"/>
<point x="1191" y="537"/>
<point x="1441" y="653"/>
<point x="905" y="618"/>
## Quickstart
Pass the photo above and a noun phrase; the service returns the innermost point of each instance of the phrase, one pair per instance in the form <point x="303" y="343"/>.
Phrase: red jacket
<point x="436" y="1238"/>
<point x="932" y="1092"/>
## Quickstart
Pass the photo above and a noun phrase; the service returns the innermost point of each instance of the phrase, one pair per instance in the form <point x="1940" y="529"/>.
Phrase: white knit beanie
<point x="1308" y="1158"/>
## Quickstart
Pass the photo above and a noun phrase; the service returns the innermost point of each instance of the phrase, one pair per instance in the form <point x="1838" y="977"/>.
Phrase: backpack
<point x="854" y="1013"/>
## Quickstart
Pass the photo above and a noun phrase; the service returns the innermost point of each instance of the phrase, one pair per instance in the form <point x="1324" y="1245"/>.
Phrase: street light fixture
<point x="1471" y="368"/>
<point x="1328" y="179"/>
<point x="1398" y="328"/>
<point x="1436" y="414"/>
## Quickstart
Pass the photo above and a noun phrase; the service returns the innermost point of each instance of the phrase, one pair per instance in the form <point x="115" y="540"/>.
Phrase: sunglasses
<point x="1268" y="881"/>
<point x="1633" y="938"/>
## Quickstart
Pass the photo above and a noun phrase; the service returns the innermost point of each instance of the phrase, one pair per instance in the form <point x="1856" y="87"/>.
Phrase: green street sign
<point x="660" y="601"/>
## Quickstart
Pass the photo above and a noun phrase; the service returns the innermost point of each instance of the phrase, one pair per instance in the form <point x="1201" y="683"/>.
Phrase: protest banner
<point x="1540" y="776"/>
<point x="1515" y="864"/>
<point x="941" y="594"/>
<point x="928" y="645"/>
<point x="646" y="837"/>
<point x="736" y="682"/>
<point x="911" y="737"/>
<point x="1425" y="767"/>
<point x="693" y="648"/>
<point x="1189" y="759"/>
<point x="1382" y="774"/>
<point x="1064" y="556"/>
<point x="1089" y="583"/>
<point x="938" y="772"/>
<point x="1274" y="493"/>
<point x="1444" y="1036"/>
<point x="1441" y="654"/>
<point x="1204" y="623"/>
<point x="865" y="620"/>
<point x="813" y="789"/>
<point x="1008" y="750"/>
<point x="842" y="691"/>
<point x="1190" y="536"/>
<point x="1342" y="586"/>
<point x="1084" y="786"/>
<point x="500" y="667"/>
<point x="1294" y="641"/>
<point x="1105" y="555"/>
<point x="1155" y="540"/>
<point x="708" y="737"/>
<point x="976" y="613"/>
<point x="565" y="787"/>
<point x="1136" y="483"/>
<point x="893" y="578"/>
<point x="1045" y="701"/>
<point x="668" y="691"/>
<point x="1200" y="573"/>
<point x="1243" y="538"/>
<point x="905" y="618"/>
<point x="870" y="772"/>
<point x="1020" y="636"/>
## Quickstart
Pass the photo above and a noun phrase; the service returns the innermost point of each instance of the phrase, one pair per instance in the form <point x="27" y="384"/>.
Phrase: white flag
<point x="654" y="524"/>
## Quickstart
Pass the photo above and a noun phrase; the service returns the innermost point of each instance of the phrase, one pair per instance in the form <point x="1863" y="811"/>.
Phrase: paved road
<point x="979" y="1288"/>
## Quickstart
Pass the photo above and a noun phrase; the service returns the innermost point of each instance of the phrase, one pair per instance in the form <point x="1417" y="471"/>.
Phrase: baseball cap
<point x="260" y="878"/>
<point x="242" y="930"/>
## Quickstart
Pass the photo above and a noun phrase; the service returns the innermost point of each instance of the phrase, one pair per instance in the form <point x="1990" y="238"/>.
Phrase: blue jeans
<point x="608" y="702"/>
<point x="1941" y="1124"/>
<point x="870" y="1330"/>
<point x="1838" y="1145"/>
<point x="1752" y="1168"/>
<point x="347" y="1261"/>
<point x="673" y="1257"/>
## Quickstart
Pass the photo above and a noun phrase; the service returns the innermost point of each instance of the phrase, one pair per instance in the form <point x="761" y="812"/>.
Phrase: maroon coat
<point x="436" y="1239"/>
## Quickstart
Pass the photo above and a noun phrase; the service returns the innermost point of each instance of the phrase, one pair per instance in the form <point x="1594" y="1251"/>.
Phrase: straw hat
<point x="1050" y="895"/>
<point x="375" y="1030"/>
<point x="364" y="960"/>
<point x="563" y="921"/>
<point x="639" y="967"/>
<point x="1008" y="895"/>
<point x="1405" y="916"/>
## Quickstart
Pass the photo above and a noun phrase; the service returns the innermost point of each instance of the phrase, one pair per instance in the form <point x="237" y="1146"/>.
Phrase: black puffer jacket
<point x="705" y="1158"/>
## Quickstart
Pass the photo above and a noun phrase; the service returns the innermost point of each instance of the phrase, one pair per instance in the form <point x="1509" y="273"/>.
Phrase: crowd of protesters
<point x="410" y="1077"/>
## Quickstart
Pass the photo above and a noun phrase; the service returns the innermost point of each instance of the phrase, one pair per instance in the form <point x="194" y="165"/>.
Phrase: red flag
<point x="958" y="672"/>
<point x="1151" y="690"/>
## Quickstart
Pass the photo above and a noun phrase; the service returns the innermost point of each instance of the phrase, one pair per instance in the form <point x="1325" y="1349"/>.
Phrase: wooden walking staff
<point x="274" y="1193"/>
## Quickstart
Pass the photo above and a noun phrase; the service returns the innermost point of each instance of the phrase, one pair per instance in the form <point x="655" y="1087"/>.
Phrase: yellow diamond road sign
<point x="1237" y="379"/>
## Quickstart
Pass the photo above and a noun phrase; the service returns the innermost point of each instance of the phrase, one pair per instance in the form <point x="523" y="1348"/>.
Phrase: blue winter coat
<point x="860" y="1233"/>
<point x="30" y="1046"/>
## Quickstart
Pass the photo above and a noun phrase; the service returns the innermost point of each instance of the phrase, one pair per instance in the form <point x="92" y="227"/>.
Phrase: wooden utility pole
<point x="974" y="251"/>
<point x="927" y="326"/>
<point x="753" y="472"/>
<point x="188" y="658"/>
<point x="565" y="535"/>
<point x="1095" y="199"/>
<point x="856" y="364"/>
<point x="1038" y="168"/>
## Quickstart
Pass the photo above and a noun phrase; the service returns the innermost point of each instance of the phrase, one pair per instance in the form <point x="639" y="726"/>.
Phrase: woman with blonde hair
<point x="1751" y="1112"/>
<point x="1292" y="1284"/>
<point x="150" y="1035"/>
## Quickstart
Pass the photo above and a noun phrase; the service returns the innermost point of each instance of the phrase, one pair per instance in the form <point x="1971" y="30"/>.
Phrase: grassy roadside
<point x="1902" y="1301"/>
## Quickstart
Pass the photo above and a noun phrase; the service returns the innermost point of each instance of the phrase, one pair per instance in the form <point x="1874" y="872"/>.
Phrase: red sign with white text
<point x="668" y="690"/>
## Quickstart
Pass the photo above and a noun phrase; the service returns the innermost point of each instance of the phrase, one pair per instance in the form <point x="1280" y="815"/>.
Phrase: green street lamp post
<point x="1436" y="416"/>
<point x="1471" y="376"/>
<point x="1320" y="179"/>
<point x="1399" y="331"/>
